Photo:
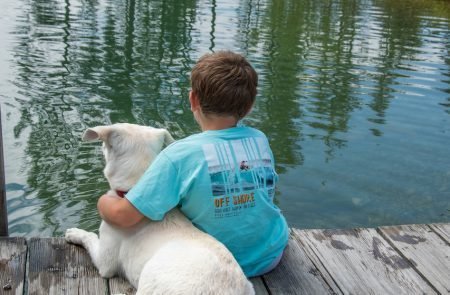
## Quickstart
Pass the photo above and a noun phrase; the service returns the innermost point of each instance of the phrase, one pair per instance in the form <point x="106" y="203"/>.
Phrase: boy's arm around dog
<point x="118" y="211"/>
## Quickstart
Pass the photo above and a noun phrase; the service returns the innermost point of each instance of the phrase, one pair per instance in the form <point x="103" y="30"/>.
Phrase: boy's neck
<point x="213" y="122"/>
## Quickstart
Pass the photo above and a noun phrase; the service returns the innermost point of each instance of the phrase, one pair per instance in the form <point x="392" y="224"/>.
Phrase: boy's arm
<point x="118" y="211"/>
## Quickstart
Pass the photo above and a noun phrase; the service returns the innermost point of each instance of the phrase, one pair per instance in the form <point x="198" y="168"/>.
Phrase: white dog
<point x="157" y="257"/>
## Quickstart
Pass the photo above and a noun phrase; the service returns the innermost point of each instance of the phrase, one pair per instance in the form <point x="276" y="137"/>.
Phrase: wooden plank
<point x="442" y="229"/>
<point x="13" y="256"/>
<point x="56" y="267"/>
<point x="296" y="274"/>
<point x="258" y="285"/>
<point x="427" y="251"/>
<point x="3" y="203"/>
<point x="119" y="285"/>
<point x="360" y="261"/>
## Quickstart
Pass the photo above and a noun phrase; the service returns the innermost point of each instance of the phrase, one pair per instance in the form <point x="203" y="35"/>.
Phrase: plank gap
<point x="266" y="286"/>
<point x="318" y="263"/>
<point x="429" y="254"/>
<point x="25" y="275"/>
<point x="383" y="235"/>
<point x="295" y="273"/>
<point x="438" y="233"/>
<point x="362" y="262"/>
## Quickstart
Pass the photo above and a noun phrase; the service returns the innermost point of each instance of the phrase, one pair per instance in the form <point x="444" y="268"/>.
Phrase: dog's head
<point x="128" y="149"/>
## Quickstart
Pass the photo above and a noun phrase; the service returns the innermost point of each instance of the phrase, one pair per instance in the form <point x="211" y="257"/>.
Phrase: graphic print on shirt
<point x="238" y="170"/>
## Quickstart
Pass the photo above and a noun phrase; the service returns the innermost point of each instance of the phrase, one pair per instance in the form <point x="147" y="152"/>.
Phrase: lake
<point x="354" y="97"/>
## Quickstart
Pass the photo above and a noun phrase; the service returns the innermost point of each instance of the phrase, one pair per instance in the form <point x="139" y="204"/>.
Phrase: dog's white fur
<point x="157" y="257"/>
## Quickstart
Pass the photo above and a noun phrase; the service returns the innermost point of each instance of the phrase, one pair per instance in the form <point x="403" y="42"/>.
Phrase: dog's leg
<point x="103" y="259"/>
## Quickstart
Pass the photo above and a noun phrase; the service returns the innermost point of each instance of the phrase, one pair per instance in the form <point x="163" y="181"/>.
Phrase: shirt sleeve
<point x="158" y="190"/>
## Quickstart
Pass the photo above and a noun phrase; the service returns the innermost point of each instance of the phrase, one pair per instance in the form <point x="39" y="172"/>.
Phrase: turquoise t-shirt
<point x="224" y="182"/>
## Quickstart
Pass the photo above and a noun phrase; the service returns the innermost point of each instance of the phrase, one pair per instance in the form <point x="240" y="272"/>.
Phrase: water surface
<point x="354" y="97"/>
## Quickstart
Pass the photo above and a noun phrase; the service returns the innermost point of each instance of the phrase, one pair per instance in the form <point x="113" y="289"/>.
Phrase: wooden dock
<point x="407" y="259"/>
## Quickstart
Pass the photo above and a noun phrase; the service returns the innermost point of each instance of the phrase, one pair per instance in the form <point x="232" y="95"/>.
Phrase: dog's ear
<point x="96" y="133"/>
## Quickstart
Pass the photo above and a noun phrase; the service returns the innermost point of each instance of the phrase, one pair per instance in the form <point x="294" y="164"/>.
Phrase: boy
<point x="222" y="179"/>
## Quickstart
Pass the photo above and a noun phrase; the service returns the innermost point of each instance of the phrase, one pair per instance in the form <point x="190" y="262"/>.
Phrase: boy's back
<point x="224" y="182"/>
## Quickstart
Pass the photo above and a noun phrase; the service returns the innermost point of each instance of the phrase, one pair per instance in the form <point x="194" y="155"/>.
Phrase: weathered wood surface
<point x="296" y="274"/>
<point x="428" y="253"/>
<point x="56" y="267"/>
<point x="409" y="259"/>
<point x="120" y="285"/>
<point x="360" y="261"/>
<point x="13" y="256"/>
<point x="443" y="230"/>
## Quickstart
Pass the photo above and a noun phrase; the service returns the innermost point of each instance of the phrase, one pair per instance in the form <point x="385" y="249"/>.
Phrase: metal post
<point x="3" y="209"/>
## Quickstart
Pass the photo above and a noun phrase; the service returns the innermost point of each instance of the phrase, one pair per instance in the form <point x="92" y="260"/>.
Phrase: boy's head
<point x="225" y="84"/>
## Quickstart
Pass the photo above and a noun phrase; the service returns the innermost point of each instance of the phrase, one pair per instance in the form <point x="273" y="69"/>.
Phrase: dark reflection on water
<point x="354" y="97"/>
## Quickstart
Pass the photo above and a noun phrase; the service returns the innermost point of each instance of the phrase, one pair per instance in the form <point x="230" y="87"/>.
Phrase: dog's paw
<point x="76" y="235"/>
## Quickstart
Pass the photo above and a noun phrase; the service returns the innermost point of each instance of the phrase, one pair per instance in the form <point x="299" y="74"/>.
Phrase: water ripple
<point x="354" y="97"/>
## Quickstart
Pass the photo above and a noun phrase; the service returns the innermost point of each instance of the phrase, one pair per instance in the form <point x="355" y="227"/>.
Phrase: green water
<point x="354" y="97"/>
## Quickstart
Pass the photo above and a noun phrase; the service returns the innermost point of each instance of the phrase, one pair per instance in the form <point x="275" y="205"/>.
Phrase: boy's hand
<point x="118" y="211"/>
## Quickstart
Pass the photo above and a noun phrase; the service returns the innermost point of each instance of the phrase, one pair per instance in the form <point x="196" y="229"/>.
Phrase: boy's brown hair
<point x="225" y="84"/>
